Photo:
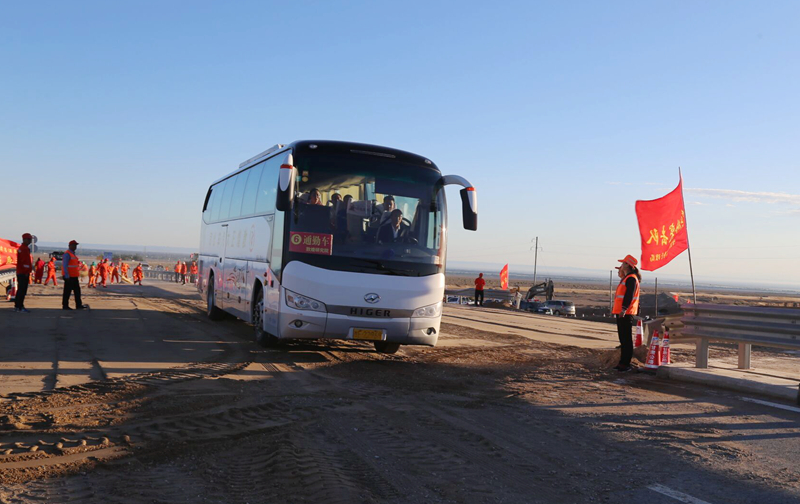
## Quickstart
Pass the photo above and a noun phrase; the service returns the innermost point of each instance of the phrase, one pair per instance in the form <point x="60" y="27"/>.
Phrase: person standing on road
<point x="102" y="269"/>
<point x="24" y="268"/>
<point x="183" y="272"/>
<point x="193" y="273"/>
<point x="39" y="271"/>
<point x="138" y="273"/>
<point x="71" y="273"/>
<point x="114" y="273"/>
<point x="626" y="306"/>
<point x="177" y="272"/>
<point x="92" y="275"/>
<point x="51" y="272"/>
<point x="479" y="284"/>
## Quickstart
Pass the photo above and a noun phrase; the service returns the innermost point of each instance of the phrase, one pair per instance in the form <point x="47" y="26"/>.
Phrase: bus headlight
<point x="295" y="300"/>
<point x="429" y="311"/>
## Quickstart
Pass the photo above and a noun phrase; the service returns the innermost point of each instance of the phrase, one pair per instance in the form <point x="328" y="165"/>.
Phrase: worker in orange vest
<point x="193" y="272"/>
<point x="38" y="271"/>
<point x="138" y="273"/>
<point x="626" y="306"/>
<point x="71" y="273"/>
<point x="183" y="272"/>
<point x="114" y="272"/>
<point x="51" y="271"/>
<point x="124" y="269"/>
<point x="93" y="275"/>
<point x="177" y="272"/>
<point x="102" y="269"/>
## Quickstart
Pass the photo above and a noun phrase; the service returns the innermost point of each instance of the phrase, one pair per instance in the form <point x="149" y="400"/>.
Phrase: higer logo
<point x="369" y="312"/>
<point x="372" y="298"/>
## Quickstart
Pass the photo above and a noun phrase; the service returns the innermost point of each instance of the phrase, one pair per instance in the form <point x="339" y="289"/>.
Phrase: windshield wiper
<point x="382" y="267"/>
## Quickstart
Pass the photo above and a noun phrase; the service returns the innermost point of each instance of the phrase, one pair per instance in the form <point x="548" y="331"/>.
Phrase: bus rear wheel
<point x="387" y="347"/>
<point x="263" y="338"/>
<point x="212" y="311"/>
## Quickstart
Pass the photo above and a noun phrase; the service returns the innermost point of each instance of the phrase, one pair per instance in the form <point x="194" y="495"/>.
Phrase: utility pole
<point x="535" y="249"/>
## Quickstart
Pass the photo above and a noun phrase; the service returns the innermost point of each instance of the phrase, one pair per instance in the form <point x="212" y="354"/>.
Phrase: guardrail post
<point x="701" y="353"/>
<point x="744" y="355"/>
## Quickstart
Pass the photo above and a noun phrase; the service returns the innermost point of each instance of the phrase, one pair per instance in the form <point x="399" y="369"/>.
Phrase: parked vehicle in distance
<point x="160" y="268"/>
<point x="145" y="266"/>
<point x="566" y="308"/>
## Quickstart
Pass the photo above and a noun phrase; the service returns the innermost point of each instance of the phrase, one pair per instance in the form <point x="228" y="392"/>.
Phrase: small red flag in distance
<point x="504" y="277"/>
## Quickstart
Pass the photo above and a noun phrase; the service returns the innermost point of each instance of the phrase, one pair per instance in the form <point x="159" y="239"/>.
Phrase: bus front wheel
<point x="387" y="347"/>
<point x="212" y="311"/>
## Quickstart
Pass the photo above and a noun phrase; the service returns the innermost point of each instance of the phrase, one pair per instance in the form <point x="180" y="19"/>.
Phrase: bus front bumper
<point x="305" y="324"/>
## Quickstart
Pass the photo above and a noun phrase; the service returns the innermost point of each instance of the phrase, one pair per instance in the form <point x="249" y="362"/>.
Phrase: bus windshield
<point x="367" y="214"/>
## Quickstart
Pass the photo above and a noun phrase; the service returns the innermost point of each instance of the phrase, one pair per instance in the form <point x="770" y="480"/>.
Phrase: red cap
<point x="629" y="260"/>
<point x="73" y="242"/>
<point x="28" y="236"/>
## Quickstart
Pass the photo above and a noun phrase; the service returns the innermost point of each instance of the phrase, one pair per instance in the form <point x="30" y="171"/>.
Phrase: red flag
<point x="8" y="253"/>
<point x="504" y="277"/>
<point x="662" y="225"/>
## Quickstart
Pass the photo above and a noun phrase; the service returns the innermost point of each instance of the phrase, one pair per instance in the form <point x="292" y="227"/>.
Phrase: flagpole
<point x="688" y="247"/>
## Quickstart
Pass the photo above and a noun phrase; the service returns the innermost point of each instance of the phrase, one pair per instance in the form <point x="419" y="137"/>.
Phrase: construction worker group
<point x="73" y="269"/>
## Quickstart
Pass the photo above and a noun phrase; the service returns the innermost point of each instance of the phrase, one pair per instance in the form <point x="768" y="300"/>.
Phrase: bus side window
<point x="238" y="193"/>
<point x="276" y="257"/>
<point x="268" y="186"/>
<point x="225" y="205"/>
<point x="216" y="201"/>
<point x="210" y="205"/>
<point x="251" y="190"/>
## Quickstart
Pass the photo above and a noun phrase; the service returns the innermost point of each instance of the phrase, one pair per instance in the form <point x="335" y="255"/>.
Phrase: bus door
<point x="272" y="288"/>
<point x="221" y="281"/>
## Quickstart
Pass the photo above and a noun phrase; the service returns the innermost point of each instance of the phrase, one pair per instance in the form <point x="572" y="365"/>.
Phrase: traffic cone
<point x="665" y="349"/>
<point x="653" y="353"/>
<point x="637" y="339"/>
<point x="12" y="293"/>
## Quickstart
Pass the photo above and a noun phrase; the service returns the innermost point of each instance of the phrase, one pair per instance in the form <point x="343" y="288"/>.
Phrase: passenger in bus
<point x="314" y="197"/>
<point x="335" y="200"/>
<point x="395" y="230"/>
<point x="388" y="208"/>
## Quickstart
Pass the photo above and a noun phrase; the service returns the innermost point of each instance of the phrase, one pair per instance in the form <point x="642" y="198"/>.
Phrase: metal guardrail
<point x="8" y="274"/>
<point x="159" y="275"/>
<point x="502" y="295"/>
<point x="167" y="276"/>
<point x="745" y="325"/>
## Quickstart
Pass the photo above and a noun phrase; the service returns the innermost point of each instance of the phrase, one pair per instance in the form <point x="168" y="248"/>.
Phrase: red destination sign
<point x="311" y="243"/>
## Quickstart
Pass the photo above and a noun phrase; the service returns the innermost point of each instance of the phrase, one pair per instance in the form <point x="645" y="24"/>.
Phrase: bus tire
<point x="263" y="338"/>
<point x="212" y="311"/>
<point x="387" y="347"/>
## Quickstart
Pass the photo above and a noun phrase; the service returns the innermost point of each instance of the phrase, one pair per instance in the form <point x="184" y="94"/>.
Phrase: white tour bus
<point x="320" y="239"/>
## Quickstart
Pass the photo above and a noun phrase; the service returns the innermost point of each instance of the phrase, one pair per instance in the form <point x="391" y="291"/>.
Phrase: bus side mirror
<point x="286" y="180"/>
<point x="469" y="200"/>
<point x="469" y="208"/>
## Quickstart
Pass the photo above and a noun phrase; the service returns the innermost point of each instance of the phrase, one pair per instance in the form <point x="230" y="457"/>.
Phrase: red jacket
<point x="24" y="263"/>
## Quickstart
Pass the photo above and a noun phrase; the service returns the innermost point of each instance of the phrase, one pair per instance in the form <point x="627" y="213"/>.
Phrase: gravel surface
<point x="483" y="417"/>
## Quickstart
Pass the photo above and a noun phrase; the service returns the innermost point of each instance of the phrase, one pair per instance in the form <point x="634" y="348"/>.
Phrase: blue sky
<point x="116" y="116"/>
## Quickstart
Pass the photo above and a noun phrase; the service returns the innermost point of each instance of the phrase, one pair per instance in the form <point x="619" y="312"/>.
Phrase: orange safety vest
<point x="633" y="309"/>
<point x="74" y="265"/>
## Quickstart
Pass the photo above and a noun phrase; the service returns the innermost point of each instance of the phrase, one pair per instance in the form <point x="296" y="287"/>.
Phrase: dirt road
<point x="486" y="416"/>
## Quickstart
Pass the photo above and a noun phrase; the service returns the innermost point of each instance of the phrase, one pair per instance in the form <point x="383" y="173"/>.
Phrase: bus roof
<point x="333" y="146"/>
